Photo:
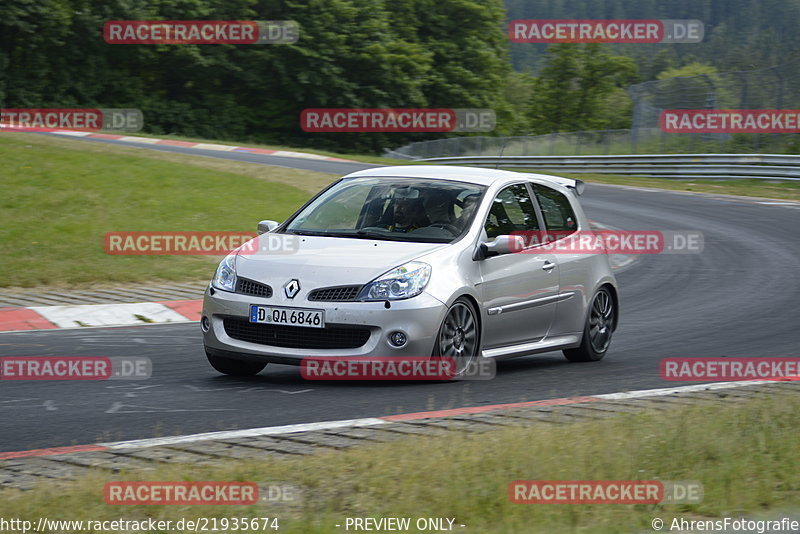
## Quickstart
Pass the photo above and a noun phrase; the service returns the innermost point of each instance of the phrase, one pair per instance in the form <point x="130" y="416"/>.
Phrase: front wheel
<point x="459" y="336"/>
<point x="229" y="366"/>
<point x="597" y="332"/>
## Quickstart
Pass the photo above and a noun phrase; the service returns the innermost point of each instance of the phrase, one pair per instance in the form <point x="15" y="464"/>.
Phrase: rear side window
<point x="556" y="210"/>
<point x="512" y="211"/>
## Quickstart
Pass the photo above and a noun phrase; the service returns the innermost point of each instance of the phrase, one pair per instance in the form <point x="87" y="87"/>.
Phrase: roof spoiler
<point x="576" y="185"/>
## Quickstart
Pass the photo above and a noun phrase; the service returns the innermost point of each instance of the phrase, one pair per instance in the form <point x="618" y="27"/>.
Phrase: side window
<point x="556" y="210"/>
<point x="512" y="211"/>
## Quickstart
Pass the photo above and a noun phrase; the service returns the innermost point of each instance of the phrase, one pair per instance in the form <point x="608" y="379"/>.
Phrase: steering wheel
<point x="445" y="226"/>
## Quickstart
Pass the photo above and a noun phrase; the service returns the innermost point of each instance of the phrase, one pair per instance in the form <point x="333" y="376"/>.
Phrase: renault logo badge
<point x="292" y="288"/>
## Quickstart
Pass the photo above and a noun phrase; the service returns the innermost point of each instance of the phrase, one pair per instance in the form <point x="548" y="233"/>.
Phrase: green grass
<point x="744" y="454"/>
<point x="59" y="197"/>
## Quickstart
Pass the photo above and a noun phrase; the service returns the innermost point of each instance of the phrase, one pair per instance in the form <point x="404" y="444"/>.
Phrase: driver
<point x="409" y="215"/>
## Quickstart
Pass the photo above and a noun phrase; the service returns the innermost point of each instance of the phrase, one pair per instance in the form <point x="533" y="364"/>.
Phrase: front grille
<point x="335" y="294"/>
<point x="249" y="287"/>
<point x="296" y="337"/>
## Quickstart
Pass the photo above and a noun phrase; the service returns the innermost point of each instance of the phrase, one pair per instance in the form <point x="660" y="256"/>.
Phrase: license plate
<point x="287" y="316"/>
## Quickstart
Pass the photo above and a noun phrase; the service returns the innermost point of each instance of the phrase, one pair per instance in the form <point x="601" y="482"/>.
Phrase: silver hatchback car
<point x="423" y="261"/>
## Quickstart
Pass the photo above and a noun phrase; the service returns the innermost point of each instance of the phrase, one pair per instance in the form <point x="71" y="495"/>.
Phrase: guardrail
<point x="709" y="166"/>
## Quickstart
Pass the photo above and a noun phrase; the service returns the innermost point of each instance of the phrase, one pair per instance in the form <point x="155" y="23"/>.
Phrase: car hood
<point x="326" y="261"/>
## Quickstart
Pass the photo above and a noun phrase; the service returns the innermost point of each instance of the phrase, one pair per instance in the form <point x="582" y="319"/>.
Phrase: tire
<point x="229" y="366"/>
<point x="458" y="336"/>
<point x="601" y="321"/>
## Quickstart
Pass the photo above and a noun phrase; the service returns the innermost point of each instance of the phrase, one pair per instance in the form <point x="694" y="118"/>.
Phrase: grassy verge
<point x="744" y="454"/>
<point x="59" y="197"/>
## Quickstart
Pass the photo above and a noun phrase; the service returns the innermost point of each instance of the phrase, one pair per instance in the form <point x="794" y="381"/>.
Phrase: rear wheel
<point x="597" y="332"/>
<point x="459" y="337"/>
<point x="229" y="366"/>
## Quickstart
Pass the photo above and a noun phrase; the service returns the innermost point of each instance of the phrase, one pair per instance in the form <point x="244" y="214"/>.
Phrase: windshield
<point x="394" y="209"/>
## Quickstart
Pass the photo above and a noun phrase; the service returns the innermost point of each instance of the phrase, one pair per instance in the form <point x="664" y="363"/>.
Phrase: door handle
<point x="548" y="266"/>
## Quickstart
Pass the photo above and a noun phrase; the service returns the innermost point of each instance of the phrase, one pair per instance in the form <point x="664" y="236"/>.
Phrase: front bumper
<point x="418" y="317"/>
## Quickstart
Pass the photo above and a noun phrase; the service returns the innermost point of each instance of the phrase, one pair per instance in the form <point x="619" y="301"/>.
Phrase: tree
<point x="351" y="54"/>
<point x="575" y="85"/>
<point x="692" y="86"/>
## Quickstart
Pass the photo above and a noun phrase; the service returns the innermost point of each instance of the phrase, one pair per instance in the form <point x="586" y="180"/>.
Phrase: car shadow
<point x="290" y="376"/>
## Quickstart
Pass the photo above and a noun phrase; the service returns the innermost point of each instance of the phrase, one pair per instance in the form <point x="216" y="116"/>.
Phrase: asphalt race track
<point x="738" y="297"/>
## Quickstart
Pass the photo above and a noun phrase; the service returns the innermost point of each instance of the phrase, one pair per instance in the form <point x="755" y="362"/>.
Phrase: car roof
<point x="474" y="175"/>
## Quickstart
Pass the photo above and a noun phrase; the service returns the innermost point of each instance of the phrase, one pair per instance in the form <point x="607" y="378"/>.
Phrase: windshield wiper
<point x="362" y="234"/>
<point x="352" y="235"/>
<point x="387" y="236"/>
<point x="412" y="237"/>
<point x="318" y="233"/>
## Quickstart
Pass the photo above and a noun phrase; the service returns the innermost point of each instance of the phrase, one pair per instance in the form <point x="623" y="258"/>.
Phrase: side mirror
<point x="266" y="226"/>
<point x="502" y="244"/>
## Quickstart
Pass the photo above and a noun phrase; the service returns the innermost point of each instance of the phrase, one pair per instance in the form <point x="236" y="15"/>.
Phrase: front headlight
<point x="225" y="277"/>
<point x="402" y="282"/>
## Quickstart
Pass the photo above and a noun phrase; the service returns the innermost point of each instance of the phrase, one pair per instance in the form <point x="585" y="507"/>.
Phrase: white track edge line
<point x="123" y="325"/>
<point x="643" y="393"/>
<point x="375" y="421"/>
<point x="245" y="433"/>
